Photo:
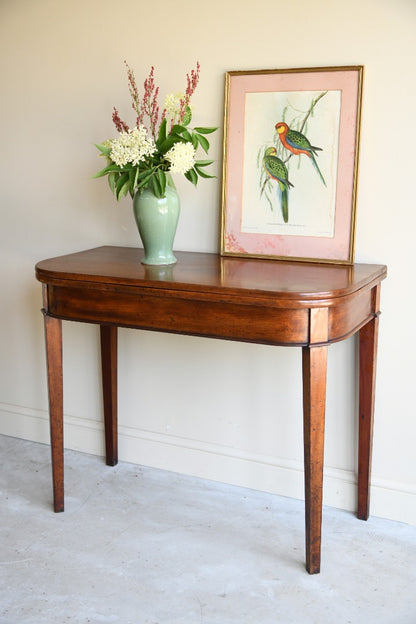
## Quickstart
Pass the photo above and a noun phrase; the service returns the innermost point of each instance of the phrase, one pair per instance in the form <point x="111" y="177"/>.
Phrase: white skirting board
<point x="391" y="500"/>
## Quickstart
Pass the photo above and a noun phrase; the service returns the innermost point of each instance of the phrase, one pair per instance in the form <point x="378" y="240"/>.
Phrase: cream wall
<point x="224" y="411"/>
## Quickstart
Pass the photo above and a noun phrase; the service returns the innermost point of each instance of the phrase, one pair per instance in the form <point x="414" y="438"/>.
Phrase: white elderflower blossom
<point x="132" y="147"/>
<point x="173" y="104"/>
<point x="181" y="157"/>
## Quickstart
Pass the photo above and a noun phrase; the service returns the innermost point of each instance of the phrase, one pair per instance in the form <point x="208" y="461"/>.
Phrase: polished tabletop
<point x="213" y="273"/>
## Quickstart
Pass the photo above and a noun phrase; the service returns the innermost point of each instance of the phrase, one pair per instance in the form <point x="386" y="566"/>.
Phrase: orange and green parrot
<point x="277" y="170"/>
<point x="297" y="143"/>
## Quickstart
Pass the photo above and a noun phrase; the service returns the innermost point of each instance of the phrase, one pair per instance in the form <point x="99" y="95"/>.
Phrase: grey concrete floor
<point x="144" y="546"/>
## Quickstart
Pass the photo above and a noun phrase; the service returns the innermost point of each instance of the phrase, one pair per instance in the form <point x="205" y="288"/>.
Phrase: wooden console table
<point x="253" y="300"/>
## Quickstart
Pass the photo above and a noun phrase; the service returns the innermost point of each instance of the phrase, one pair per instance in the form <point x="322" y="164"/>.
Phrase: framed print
<point x="290" y="163"/>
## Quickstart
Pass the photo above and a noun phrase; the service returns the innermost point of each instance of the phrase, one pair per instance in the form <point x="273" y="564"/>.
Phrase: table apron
<point x="213" y="319"/>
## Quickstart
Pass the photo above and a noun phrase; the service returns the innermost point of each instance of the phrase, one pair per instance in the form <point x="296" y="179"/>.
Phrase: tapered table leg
<point x="368" y="357"/>
<point x="53" y="337"/>
<point x="314" y="366"/>
<point x="108" y="334"/>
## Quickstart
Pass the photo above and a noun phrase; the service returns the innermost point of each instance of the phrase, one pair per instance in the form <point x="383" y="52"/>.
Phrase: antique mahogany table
<point x="254" y="300"/>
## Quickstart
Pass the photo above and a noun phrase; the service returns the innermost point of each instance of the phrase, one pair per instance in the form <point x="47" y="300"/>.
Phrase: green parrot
<point x="277" y="170"/>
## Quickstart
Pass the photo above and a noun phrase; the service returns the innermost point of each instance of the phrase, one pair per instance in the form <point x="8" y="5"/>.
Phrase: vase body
<point x="157" y="219"/>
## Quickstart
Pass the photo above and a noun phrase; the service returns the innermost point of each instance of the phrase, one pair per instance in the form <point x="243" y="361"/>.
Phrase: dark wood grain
<point x="210" y="273"/>
<point x="367" y="372"/>
<point x="53" y="336"/>
<point x="314" y="363"/>
<point x="253" y="300"/>
<point x="108" y="338"/>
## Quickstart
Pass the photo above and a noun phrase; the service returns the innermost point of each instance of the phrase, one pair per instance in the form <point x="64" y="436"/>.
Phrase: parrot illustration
<point x="297" y="143"/>
<point x="277" y="170"/>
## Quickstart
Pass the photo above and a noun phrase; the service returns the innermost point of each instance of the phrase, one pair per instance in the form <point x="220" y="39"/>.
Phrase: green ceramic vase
<point x="157" y="220"/>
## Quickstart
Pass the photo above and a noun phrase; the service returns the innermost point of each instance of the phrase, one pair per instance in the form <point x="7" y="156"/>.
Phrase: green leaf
<point x="192" y="176"/>
<point x="177" y="129"/>
<point x="136" y="177"/>
<point x="124" y="190"/>
<point x="183" y="135"/>
<point x="161" y="176"/>
<point x="187" y="117"/>
<point x="144" y="174"/>
<point x="156" y="186"/>
<point x="169" y="143"/>
<point x="170" y="181"/>
<point x="101" y="173"/>
<point x="112" y="179"/>
<point x="122" y="186"/>
<point x="162" y="133"/>
<point x="199" y="164"/>
<point x="203" y="173"/>
<point x="132" y="178"/>
<point x="141" y="179"/>
<point x="204" y="163"/>
<point x="205" y="130"/>
<point x="106" y="170"/>
<point x="195" y="141"/>
<point x="204" y="143"/>
<point x="187" y="136"/>
<point x="144" y="181"/>
<point x="103" y="148"/>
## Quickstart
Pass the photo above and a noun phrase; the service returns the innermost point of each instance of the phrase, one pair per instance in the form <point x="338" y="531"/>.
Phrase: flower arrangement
<point x="160" y="143"/>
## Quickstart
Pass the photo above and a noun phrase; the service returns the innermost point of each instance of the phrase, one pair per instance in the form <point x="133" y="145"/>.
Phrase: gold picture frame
<point x="291" y="148"/>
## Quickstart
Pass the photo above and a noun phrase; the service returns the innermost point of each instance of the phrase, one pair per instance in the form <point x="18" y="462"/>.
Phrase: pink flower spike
<point x="192" y="83"/>
<point x="149" y="105"/>
<point x="119" y="124"/>
<point x="134" y="93"/>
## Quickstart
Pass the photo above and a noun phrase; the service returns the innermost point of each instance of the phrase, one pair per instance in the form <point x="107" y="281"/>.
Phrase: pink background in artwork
<point x="336" y="248"/>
